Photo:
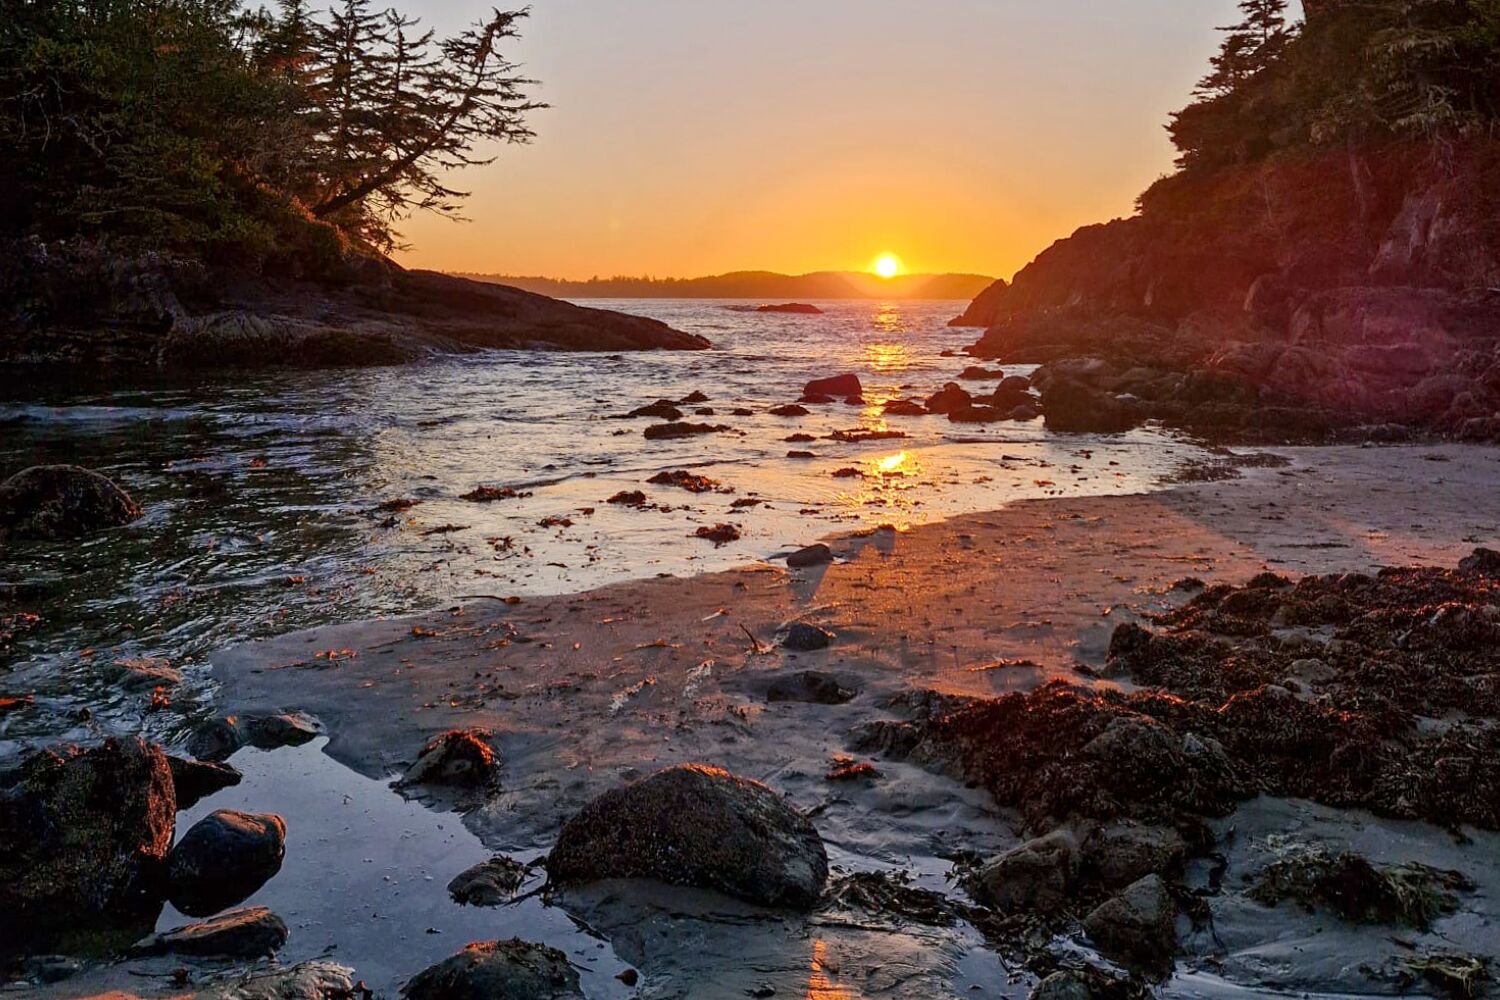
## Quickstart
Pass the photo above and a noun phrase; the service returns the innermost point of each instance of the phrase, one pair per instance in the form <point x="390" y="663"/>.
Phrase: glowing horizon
<point x="690" y="139"/>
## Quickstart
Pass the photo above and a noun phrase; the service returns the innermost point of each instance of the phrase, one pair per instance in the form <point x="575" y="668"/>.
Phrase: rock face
<point x="253" y="932"/>
<point x="696" y="826"/>
<point x="82" y="304"/>
<point x="223" y="859"/>
<point x="498" y="970"/>
<point x="61" y="501"/>
<point x="84" y="836"/>
<point x="1376" y="305"/>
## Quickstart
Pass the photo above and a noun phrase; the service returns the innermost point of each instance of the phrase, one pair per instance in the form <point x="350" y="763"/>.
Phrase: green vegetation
<point x="261" y="138"/>
<point x="1363" y="71"/>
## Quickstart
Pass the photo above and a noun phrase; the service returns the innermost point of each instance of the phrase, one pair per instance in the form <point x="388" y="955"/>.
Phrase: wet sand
<point x="586" y="691"/>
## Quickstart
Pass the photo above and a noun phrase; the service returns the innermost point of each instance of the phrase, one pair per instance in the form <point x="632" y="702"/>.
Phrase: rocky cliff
<point x="1296" y="297"/>
<point x="85" y="304"/>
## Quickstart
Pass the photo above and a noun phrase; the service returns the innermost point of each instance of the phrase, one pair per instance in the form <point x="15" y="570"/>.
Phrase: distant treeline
<point x="762" y="285"/>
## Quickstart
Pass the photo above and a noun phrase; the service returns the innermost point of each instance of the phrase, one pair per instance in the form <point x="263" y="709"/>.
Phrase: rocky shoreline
<point x="1113" y="758"/>
<point x="1315" y="297"/>
<point x="84" y="304"/>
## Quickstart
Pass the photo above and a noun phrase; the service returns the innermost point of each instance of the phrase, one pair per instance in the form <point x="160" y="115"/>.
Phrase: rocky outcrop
<point x="86" y="304"/>
<point x="61" y="501"/>
<point x="84" y="836"/>
<point x="697" y="826"/>
<point x="1283" y="300"/>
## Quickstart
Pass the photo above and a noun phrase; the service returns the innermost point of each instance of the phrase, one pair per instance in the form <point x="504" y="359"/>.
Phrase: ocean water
<point x="268" y="496"/>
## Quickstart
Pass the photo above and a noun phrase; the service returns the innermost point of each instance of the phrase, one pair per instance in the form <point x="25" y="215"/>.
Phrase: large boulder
<point x="83" y="838"/>
<point x="223" y="859"/>
<point x="949" y="399"/>
<point x="1073" y="406"/>
<point x="697" y="826"/>
<point x="498" y="970"/>
<point x="62" y="501"/>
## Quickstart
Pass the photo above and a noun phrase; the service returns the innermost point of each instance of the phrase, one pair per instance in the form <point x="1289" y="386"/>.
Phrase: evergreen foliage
<point x="206" y="127"/>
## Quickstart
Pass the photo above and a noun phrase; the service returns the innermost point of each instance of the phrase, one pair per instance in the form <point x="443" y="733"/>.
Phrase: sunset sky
<point x="692" y="137"/>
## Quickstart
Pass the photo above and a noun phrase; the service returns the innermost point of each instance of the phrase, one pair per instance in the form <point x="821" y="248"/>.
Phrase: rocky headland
<point x="87" y="303"/>
<point x="1317" y="294"/>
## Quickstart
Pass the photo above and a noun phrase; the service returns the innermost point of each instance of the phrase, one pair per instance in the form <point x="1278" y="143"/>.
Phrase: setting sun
<point x="887" y="265"/>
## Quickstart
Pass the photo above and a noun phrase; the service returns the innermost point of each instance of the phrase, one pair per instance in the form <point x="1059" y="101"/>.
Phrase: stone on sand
<point x="803" y="637"/>
<point x="253" y="932"/>
<point x="812" y="555"/>
<point x="498" y="970"/>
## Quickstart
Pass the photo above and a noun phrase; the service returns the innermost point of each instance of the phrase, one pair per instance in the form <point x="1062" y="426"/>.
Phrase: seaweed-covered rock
<point x="498" y="970"/>
<point x="461" y="758"/>
<point x="697" y="826"/>
<point x="83" y="838"/>
<point x="1138" y="926"/>
<point x="253" y="932"/>
<point x="62" y="501"/>
<point x="489" y="883"/>
<point x="1039" y="876"/>
<point x="195" y="780"/>
<point x="1409" y="895"/>
<point x="224" y="858"/>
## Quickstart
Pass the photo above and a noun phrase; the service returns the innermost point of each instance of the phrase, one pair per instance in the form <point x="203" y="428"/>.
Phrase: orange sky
<point x="692" y="137"/>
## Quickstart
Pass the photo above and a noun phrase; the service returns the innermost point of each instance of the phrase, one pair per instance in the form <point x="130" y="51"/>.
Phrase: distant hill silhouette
<point x="764" y="285"/>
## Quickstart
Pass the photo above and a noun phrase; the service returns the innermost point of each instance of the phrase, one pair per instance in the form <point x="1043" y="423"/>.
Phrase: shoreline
<point x="643" y="689"/>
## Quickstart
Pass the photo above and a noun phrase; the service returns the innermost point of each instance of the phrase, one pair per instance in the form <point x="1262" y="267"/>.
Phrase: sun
<point x="887" y="265"/>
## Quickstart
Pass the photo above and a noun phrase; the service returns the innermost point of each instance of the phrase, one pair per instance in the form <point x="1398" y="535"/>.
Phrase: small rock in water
<point x="697" y="826"/>
<point x="789" y="410"/>
<point x="195" y="780"/>
<point x="223" y="859"/>
<point x="719" y="534"/>
<point x="838" y="385"/>
<point x="217" y="739"/>
<point x="693" y="398"/>
<point x="813" y="555"/>
<point x="489" y="883"/>
<point x="668" y="432"/>
<point x="804" y="638"/>
<point x="816" y="399"/>
<point x="811" y="687"/>
<point x="904" y="408"/>
<point x="253" y="932"/>
<point x="628" y="498"/>
<point x="498" y="970"/>
<point x="684" y="480"/>
<point x="62" y="501"/>
<point x="272" y="732"/>
<point x="461" y="758"/>
<point x="134" y="673"/>
<point x="950" y="398"/>
<point x="662" y="409"/>
<point x="1138" y="926"/>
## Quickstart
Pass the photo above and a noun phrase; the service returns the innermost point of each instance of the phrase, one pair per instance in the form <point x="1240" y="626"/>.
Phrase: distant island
<point x="765" y="285"/>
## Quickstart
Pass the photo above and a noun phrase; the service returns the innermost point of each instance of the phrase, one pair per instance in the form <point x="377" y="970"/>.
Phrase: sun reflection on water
<point x="819" y="984"/>
<point x="888" y="359"/>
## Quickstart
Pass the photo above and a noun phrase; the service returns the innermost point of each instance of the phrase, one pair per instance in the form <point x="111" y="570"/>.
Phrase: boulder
<point x="253" y="932"/>
<point x="460" y="758"/>
<point x="1138" y="926"/>
<point x="84" y="835"/>
<point x="223" y="859"/>
<point x="1121" y="852"/>
<point x="1063" y="985"/>
<point x="697" y="826"/>
<point x="803" y="637"/>
<point x="272" y="732"/>
<point x="498" y="970"/>
<point x="195" y="780"/>
<point x="978" y="415"/>
<point x="812" y="555"/>
<point x="811" y="687"/>
<point x="904" y="408"/>
<point x="950" y="398"/>
<point x="789" y="410"/>
<point x="61" y="501"/>
<point x="1072" y="406"/>
<point x="1039" y="876"/>
<point x="662" y="409"/>
<point x="838" y="385"/>
<point x="670" y="432"/>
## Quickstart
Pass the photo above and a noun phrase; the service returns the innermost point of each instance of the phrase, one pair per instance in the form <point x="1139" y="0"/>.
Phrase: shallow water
<point x="261" y="490"/>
